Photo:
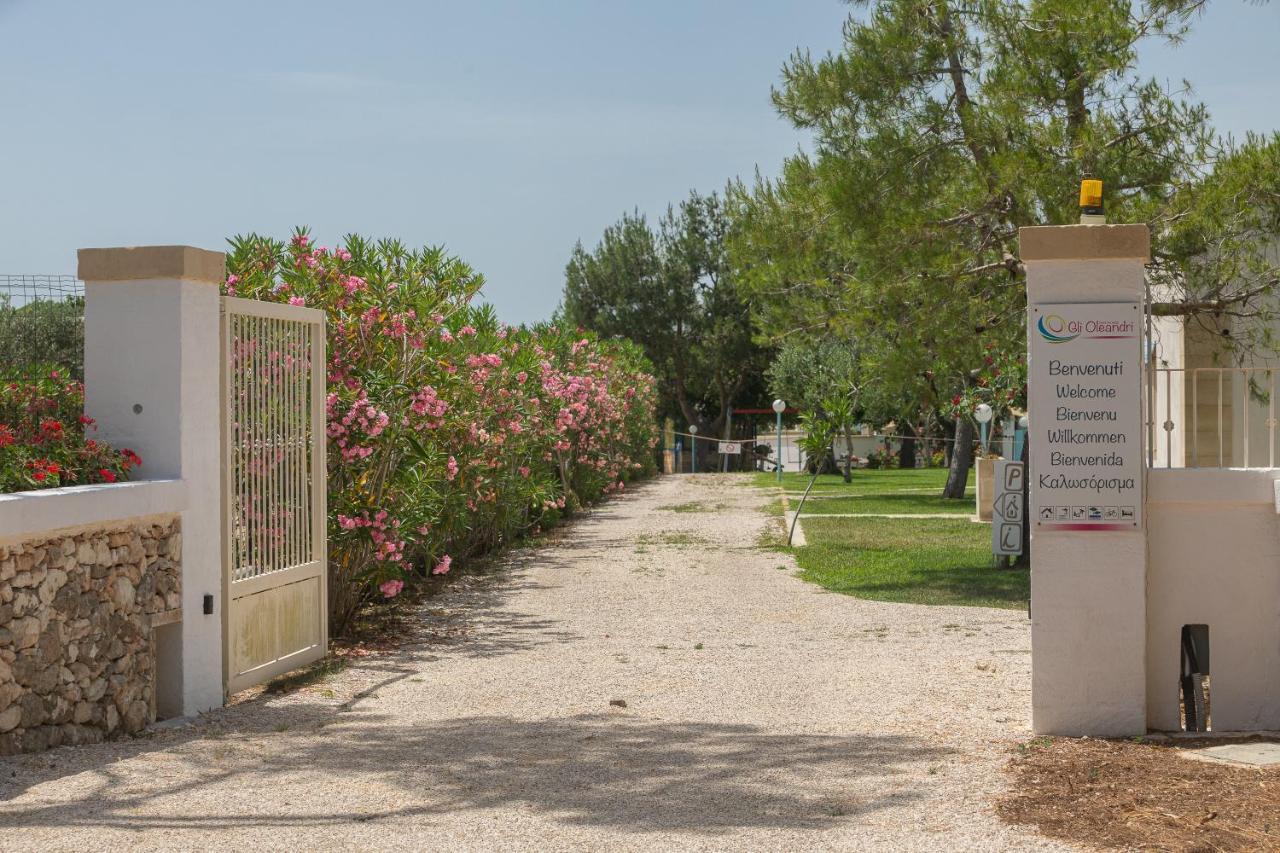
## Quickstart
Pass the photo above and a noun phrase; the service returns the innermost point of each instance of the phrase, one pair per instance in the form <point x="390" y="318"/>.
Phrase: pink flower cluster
<point x="354" y="429"/>
<point x="429" y="408"/>
<point x="383" y="533"/>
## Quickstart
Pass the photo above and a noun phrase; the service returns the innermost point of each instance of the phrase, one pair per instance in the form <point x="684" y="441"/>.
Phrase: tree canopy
<point x="943" y="126"/>
<point x="673" y="291"/>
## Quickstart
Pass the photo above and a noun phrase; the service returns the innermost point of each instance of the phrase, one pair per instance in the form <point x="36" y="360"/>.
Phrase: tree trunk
<point x="961" y="460"/>
<point x="907" y="455"/>
<point x="848" y="453"/>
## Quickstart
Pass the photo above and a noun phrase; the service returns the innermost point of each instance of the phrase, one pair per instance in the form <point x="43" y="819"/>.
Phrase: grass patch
<point x="691" y="506"/>
<point x="671" y="539"/>
<point x="916" y="560"/>
<point x="774" y="535"/>
<point x="865" y="481"/>
<point x="892" y="504"/>
<point x="307" y="676"/>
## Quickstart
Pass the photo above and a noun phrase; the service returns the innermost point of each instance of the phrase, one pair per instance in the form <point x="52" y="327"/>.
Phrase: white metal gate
<point x="275" y="613"/>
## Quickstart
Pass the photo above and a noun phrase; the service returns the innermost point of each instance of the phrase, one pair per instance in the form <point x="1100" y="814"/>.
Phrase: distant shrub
<point x="882" y="458"/>
<point x="43" y="332"/>
<point x="45" y="438"/>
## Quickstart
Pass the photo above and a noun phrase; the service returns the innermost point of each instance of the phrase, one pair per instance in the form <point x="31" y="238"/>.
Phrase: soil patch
<point x="1141" y="795"/>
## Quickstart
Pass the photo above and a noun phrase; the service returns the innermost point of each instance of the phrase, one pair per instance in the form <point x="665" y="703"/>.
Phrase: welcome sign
<point x="1085" y="388"/>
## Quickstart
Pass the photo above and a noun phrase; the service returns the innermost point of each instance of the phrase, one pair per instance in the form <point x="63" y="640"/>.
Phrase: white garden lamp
<point x="1019" y="437"/>
<point x="778" y="407"/>
<point x="983" y="415"/>
<point x="693" y="449"/>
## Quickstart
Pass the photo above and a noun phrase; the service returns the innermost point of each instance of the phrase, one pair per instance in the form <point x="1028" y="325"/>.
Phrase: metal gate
<point x="275" y="616"/>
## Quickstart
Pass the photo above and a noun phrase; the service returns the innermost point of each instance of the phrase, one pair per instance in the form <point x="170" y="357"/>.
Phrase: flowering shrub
<point x="449" y="433"/>
<point x="45" y="438"/>
<point x="1001" y="383"/>
<point x="882" y="458"/>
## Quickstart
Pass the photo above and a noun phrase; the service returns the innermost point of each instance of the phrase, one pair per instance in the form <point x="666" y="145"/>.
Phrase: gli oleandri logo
<point x="1054" y="329"/>
<point x="1051" y="328"/>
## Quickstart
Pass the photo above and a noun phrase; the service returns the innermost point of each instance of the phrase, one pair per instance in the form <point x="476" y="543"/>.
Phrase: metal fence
<point x="1212" y="417"/>
<point x="41" y="323"/>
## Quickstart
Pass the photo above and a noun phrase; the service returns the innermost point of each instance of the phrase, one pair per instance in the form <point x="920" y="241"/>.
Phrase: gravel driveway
<point x="760" y="713"/>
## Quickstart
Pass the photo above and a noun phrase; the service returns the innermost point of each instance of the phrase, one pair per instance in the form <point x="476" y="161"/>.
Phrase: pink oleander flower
<point x="390" y="589"/>
<point x="443" y="566"/>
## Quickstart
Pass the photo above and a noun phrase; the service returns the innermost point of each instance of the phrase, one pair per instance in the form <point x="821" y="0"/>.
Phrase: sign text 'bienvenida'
<point x="1085" y="386"/>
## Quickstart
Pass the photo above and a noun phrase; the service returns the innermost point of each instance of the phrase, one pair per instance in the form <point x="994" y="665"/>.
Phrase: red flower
<point x="108" y="475"/>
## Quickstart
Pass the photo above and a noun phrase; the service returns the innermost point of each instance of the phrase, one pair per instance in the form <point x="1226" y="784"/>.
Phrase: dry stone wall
<point x="77" y="662"/>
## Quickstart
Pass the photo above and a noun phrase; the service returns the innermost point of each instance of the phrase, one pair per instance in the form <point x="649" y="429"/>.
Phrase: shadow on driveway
<point x="609" y="770"/>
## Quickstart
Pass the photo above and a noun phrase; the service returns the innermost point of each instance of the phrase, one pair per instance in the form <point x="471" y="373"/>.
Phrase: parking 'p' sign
<point x="1008" y="509"/>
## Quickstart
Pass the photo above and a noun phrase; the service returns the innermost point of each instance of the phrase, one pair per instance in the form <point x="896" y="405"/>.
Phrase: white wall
<point x="1088" y="589"/>
<point x="1214" y="559"/>
<point x="29" y="515"/>
<point x="152" y="381"/>
<point x="794" y="459"/>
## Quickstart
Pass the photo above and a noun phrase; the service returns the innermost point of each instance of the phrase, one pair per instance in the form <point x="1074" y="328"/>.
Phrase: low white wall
<point x="1214" y="559"/>
<point x="794" y="459"/>
<point x="26" y="515"/>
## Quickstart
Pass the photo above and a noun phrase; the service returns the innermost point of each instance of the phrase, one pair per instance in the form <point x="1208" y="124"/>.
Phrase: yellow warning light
<point x="1091" y="193"/>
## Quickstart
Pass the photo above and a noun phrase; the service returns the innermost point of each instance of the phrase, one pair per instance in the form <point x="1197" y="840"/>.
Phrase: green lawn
<point x="865" y="481"/>
<point x="915" y="560"/>
<point x="891" y="504"/>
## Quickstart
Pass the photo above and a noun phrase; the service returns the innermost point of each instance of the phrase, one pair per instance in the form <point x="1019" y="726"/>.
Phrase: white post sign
<point x="1007" y="510"/>
<point x="1085" y="387"/>
<point x="731" y="447"/>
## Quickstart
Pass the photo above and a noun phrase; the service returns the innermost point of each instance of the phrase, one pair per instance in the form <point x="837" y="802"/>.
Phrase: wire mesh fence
<point x="41" y="323"/>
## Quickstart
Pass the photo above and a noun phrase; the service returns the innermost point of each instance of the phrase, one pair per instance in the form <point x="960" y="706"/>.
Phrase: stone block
<point x="32" y="710"/>
<point x="10" y="718"/>
<point x="26" y="631"/>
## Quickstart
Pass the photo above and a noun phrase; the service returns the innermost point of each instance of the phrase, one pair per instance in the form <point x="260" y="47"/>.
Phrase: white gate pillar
<point x="1089" y="560"/>
<point x="152" y="382"/>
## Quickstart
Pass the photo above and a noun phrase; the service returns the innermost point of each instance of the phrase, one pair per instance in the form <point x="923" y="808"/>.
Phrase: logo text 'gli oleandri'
<point x="1054" y="329"/>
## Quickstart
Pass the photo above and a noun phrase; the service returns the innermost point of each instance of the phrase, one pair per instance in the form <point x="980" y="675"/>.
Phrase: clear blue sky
<point x="505" y="130"/>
